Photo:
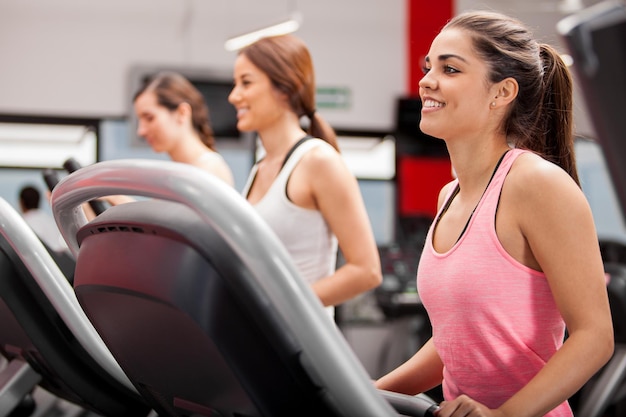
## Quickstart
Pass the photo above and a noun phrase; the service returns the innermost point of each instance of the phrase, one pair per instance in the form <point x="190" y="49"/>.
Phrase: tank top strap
<point x="296" y="156"/>
<point x="491" y="198"/>
<point x="505" y="166"/>
<point x="288" y="165"/>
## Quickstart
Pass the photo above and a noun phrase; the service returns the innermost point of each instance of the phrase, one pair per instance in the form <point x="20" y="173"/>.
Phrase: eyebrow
<point x="445" y="57"/>
<point x="247" y="74"/>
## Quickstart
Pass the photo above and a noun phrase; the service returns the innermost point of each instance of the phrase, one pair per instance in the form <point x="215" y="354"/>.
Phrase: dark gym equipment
<point x="595" y="38"/>
<point x="202" y="306"/>
<point x="46" y="337"/>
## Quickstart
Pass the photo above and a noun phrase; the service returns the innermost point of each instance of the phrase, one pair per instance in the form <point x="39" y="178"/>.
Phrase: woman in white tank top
<point x="310" y="199"/>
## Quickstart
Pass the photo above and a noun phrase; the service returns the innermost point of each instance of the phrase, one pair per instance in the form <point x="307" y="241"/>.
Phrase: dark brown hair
<point x="287" y="62"/>
<point x="540" y="118"/>
<point x="171" y="90"/>
<point x="29" y="197"/>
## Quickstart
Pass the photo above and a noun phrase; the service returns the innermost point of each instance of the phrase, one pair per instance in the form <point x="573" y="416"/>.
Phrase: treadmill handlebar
<point x="410" y="405"/>
<point x="72" y="165"/>
<point x="51" y="177"/>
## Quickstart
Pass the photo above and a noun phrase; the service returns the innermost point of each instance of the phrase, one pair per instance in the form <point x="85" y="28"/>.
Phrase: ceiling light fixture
<point x="570" y="6"/>
<point x="282" y="28"/>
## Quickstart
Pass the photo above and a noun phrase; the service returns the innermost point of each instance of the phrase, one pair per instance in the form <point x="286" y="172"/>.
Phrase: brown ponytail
<point x="556" y="121"/>
<point x="321" y="129"/>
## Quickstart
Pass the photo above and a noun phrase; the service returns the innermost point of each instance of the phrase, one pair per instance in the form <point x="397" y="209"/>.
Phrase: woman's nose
<point x="141" y="129"/>
<point x="233" y="96"/>
<point x="427" y="81"/>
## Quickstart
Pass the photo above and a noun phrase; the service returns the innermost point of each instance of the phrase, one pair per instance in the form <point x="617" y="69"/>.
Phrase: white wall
<point x="72" y="57"/>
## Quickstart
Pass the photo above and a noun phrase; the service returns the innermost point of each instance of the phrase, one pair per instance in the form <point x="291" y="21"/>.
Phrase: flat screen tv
<point x="215" y="86"/>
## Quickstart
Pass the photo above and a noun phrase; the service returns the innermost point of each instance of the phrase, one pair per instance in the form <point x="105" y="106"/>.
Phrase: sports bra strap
<point x="293" y="148"/>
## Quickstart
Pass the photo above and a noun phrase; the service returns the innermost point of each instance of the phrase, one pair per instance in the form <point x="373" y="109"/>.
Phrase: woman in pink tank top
<point x="512" y="258"/>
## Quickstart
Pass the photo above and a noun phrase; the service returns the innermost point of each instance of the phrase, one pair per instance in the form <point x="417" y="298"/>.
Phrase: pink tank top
<point x="495" y="323"/>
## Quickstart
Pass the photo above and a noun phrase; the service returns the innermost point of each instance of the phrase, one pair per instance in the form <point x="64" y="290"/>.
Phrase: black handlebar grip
<point x="51" y="177"/>
<point x="72" y="165"/>
<point x="431" y="411"/>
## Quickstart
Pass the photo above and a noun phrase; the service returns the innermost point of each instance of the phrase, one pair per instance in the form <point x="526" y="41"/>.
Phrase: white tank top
<point x="304" y="232"/>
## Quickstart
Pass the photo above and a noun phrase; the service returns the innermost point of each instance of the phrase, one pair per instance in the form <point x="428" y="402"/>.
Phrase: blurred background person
<point x="41" y="222"/>
<point x="173" y="118"/>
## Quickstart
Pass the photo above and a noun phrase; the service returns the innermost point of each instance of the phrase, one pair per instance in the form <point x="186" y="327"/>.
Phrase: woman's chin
<point x="244" y="127"/>
<point x="430" y="131"/>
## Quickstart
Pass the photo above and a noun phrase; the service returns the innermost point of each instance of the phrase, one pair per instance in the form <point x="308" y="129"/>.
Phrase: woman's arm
<point x="558" y="224"/>
<point x="336" y="194"/>
<point x="420" y="373"/>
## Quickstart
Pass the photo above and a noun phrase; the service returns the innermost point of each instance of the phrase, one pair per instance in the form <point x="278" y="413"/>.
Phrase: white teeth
<point x="432" y="103"/>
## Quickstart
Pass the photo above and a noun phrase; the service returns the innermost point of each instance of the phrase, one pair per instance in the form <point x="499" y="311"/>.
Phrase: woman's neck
<point x="188" y="149"/>
<point x="474" y="163"/>
<point x="279" y="138"/>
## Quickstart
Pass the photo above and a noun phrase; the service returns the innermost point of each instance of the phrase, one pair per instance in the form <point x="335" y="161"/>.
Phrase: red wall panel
<point x="424" y="21"/>
<point x="419" y="182"/>
<point x="419" y="178"/>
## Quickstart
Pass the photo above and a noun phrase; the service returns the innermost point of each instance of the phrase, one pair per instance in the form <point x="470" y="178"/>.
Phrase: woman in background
<point x="301" y="186"/>
<point x="512" y="258"/>
<point x="173" y="118"/>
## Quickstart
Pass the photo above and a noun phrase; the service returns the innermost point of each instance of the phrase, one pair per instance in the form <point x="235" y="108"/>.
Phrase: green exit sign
<point x="333" y="98"/>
